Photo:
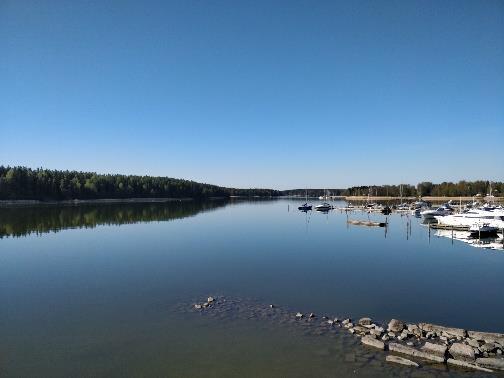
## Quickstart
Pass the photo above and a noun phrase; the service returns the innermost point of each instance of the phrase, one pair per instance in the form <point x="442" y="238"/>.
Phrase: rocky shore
<point x="406" y="344"/>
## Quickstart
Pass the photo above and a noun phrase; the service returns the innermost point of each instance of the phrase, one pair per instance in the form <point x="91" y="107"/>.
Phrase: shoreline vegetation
<point x="22" y="185"/>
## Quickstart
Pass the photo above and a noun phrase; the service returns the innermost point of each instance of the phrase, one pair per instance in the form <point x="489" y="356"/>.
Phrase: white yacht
<point x="435" y="213"/>
<point x="494" y="218"/>
<point x="323" y="207"/>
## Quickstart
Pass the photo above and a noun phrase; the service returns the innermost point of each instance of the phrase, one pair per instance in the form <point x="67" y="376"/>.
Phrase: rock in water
<point x="299" y="315"/>
<point x="400" y="360"/>
<point x="365" y="321"/>
<point x="492" y="363"/>
<point x="403" y="349"/>
<point x="437" y="349"/>
<point x="371" y="341"/>
<point x="462" y="352"/>
<point x="467" y="365"/>
<point x="197" y="306"/>
<point x="210" y="299"/>
<point x="396" y="325"/>
<point x="312" y="315"/>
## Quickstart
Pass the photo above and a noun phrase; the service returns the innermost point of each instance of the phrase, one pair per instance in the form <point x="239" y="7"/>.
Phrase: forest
<point x="21" y="183"/>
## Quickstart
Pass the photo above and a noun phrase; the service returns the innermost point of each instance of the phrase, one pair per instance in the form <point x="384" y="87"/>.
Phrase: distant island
<point x="22" y="183"/>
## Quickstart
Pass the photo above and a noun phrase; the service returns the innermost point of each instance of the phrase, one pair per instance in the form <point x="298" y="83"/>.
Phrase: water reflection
<point x="495" y="243"/>
<point x="21" y="221"/>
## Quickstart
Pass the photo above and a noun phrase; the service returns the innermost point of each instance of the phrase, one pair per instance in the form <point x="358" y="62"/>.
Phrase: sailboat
<point x="305" y="207"/>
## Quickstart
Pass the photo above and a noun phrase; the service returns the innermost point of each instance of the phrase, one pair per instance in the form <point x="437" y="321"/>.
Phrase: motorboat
<point x="494" y="218"/>
<point x="441" y="211"/>
<point x="323" y="207"/>
<point x="482" y="229"/>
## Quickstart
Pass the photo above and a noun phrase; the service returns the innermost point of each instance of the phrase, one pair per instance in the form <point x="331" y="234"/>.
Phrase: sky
<point x="260" y="93"/>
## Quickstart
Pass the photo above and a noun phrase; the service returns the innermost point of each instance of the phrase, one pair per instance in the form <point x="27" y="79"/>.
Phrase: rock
<point x="403" y="349"/>
<point x="299" y="315"/>
<point x="206" y="304"/>
<point x="379" y="329"/>
<point x="487" y="337"/>
<point x="349" y="325"/>
<point x="472" y="342"/>
<point x="462" y="352"/>
<point x="346" y="321"/>
<point x="492" y="363"/>
<point x="467" y="365"/>
<point x="499" y="352"/>
<point x="330" y="322"/>
<point x="414" y="330"/>
<point x="487" y="347"/>
<point x="361" y="329"/>
<point x="400" y="360"/>
<point x="371" y="341"/>
<point x="391" y="334"/>
<point x="436" y="349"/>
<point x="410" y="343"/>
<point x="445" y="331"/>
<point x="365" y="321"/>
<point x="351" y="330"/>
<point x="210" y="299"/>
<point x="375" y="332"/>
<point x="272" y="306"/>
<point x="312" y="315"/>
<point x="396" y="325"/>
<point x="197" y="306"/>
<point x="385" y="338"/>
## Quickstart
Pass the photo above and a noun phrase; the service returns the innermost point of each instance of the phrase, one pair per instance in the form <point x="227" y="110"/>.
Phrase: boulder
<point x="487" y="337"/>
<point x="487" y="347"/>
<point x="210" y="299"/>
<point x="361" y="329"/>
<point x="396" y="325"/>
<point x="467" y="365"/>
<point x="403" y="349"/>
<point x="400" y="360"/>
<point x="462" y="352"/>
<point x="492" y="363"/>
<point x="472" y="342"/>
<point x="197" y="306"/>
<point x="365" y="321"/>
<point x="436" y="349"/>
<point x="345" y="321"/>
<point x="445" y="331"/>
<point x="372" y="342"/>
<point x="299" y="315"/>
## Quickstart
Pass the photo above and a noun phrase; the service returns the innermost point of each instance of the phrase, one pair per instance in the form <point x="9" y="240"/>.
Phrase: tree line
<point x="21" y="183"/>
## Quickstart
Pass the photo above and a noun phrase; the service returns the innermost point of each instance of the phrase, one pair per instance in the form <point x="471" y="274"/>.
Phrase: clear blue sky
<point x="278" y="94"/>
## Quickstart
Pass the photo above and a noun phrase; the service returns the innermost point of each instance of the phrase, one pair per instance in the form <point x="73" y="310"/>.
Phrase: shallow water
<point x="102" y="290"/>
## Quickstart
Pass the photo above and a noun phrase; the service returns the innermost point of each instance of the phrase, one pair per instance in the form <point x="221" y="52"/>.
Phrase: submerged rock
<point x="467" y="365"/>
<point x="400" y="360"/>
<point x="371" y="341"/>
<point x="492" y="363"/>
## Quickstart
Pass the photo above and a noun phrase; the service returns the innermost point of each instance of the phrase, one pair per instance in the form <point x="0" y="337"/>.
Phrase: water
<point x="107" y="290"/>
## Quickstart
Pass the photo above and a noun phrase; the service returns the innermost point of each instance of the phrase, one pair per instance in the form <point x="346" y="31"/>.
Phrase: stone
<point x="462" y="352"/>
<point x="206" y="304"/>
<point x="346" y="321"/>
<point x="351" y="330"/>
<point x="312" y="315"/>
<point x="379" y="329"/>
<point x="491" y="363"/>
<point x="210" y="299"/>
<point x="445" y="331"/>
<point x="365" y="321"/>
<point x="403" y="349"/>
<point x="410" y="343"/>
<point x="385" y="338"/>
<point x="499" y="352"/>
<point x="437" y="349"/>
<point x="487" y="337"/>
<point x="361" y="329"/>
<point x="375" y="332"/>
<point x="467" y="365"/>
<point x="472" y="342"/>
<point x="396" y="325"/>
<point x="272" y="306"/>
<point x="299" y="315"/>
<point x="330" y="322"/>
<point x="349" y="325"/>
<point x="371" y="341"/>
<point x="391" y="334"/>
<point x="400" y="360"/>
<point x="197" y="306"/>
<point x="487" y="347"/>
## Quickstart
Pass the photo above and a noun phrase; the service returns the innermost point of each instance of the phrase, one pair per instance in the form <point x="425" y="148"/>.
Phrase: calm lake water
<point x="107" y="290"/>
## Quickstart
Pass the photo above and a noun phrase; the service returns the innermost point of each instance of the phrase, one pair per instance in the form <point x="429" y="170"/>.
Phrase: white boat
<point x="494" y="218"/>
<point x="323" y="207"/>
<point x="435" y="213"/>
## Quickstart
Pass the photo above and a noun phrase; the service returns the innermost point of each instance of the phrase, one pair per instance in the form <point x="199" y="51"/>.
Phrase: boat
<point x="305" y="207"/>
<point x="446" y="209"/>
<point x="482" y="229"/>
<point x="494" y="218"/>
<point x="323" y="207"/>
